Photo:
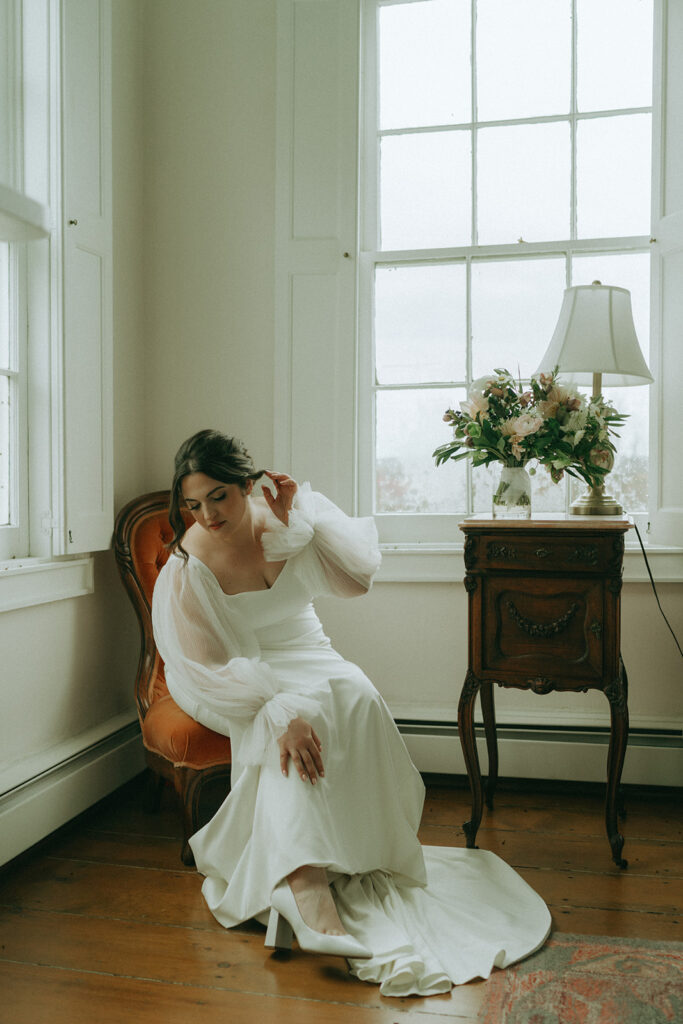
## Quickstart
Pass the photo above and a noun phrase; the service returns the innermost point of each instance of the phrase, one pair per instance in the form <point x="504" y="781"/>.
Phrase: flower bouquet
<point x="563" y="430"/>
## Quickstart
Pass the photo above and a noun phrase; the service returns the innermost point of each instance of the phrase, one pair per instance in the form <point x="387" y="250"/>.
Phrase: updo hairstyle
<point x="218" y="456"/>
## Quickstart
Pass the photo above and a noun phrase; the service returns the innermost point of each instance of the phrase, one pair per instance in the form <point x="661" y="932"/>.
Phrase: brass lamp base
<point x="596" y="503"/>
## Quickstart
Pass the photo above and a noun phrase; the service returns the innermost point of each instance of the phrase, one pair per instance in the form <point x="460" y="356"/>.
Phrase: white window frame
<point x="406" y="527"/>
<point x="64" y="143"/>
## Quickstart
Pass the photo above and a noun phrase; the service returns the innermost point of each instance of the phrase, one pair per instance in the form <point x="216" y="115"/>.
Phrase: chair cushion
<point x="168" y="731"/>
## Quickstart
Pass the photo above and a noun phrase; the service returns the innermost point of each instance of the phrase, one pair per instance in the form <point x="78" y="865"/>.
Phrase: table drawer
<point x="537" y="627"/>
<point x="544" y="552"/>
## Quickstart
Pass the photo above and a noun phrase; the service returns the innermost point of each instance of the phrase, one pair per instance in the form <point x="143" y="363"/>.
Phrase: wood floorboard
<point x="553" y="816"/>
<point x="45" y="995"/>
<point x="571" y="853"/>
<point x="103" y="924"/>
<point x="120" y="848"/>
<point x="110" y="890"/>
<point x="234" y="960"/>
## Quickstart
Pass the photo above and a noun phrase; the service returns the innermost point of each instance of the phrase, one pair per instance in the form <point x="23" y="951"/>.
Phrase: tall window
<point x="14" y="226"/>
<point x="507" y="156"/>
<point x="55" y="279"/>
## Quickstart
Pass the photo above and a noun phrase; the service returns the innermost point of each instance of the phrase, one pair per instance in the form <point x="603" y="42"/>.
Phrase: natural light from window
<point x="512" y="156"/>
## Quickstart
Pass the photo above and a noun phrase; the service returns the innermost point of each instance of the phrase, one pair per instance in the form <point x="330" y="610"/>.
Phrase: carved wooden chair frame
<point x="187" y="780"/>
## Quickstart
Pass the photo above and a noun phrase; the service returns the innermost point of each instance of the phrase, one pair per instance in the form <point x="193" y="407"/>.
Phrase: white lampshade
<point x="595" y="334"/>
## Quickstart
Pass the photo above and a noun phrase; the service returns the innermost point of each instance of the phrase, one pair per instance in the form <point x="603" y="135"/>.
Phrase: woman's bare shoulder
<point x="193" y="540"/>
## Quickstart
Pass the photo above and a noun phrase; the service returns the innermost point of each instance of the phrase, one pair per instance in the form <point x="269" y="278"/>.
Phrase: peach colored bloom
<point x="476" y="406"/>
<point x="515" y="447"/>
<point x="527" y="423"/>
<point x="602" y="457"/>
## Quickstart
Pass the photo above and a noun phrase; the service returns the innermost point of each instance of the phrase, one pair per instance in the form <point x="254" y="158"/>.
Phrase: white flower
<point x="476" y="406"/>
<point x="575" y="424"/>
<point x="527" y="423"/>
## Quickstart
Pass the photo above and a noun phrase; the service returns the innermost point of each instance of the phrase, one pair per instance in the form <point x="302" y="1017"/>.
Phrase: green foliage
<point x="557" y="426"/>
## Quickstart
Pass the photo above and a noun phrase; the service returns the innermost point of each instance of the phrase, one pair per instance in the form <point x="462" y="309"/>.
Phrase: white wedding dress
<point x="246" y="664"/>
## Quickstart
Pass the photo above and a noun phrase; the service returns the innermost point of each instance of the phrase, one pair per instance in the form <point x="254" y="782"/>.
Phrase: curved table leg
<point x="617" y="695"/>
<point x="489" y="715"/>
<point x="469" y="749"/>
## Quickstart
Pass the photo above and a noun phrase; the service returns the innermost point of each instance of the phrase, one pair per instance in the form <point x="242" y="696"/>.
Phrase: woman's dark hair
<point x="218" y="456"/>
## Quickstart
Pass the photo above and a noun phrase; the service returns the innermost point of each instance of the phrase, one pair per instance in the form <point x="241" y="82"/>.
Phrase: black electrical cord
<point x="654" y="589"/>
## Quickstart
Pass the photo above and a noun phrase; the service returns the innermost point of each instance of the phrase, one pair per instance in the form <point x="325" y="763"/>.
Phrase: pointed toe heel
<point x="285" y="914"/>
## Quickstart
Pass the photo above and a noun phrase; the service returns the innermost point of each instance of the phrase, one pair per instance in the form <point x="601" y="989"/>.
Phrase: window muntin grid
<point x="532" y="267"/>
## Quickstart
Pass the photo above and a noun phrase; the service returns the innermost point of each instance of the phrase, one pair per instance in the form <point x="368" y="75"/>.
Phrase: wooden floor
<point x="102" y="923"/>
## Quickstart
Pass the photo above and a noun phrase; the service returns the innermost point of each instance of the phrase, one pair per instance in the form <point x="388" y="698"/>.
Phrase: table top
<point x="556" y="520"/>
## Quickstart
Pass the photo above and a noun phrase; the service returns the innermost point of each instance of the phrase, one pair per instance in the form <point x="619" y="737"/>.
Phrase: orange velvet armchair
<point x="177" y="748"/>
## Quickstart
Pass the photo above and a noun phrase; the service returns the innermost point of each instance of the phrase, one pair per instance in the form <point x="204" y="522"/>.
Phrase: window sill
<point x="28" y="581"/>
<point x="444" y="563"/>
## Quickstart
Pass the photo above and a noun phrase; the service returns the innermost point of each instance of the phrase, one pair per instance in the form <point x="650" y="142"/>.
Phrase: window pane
<point x="424" y="64"/>
<point x="523" y="58"/>
<point x="613" y="169"/>
<point x="4" y="306"/>
<point x="409" y="427"/>
<point x="425" y="182"/>
<point x="4" y="452"/>
<point x="523" y="183"/>
<point x="515" y="306"/>
<point x="628" y="481"/>
<point x="614" y="54"/>
<point x="420" y="324"/>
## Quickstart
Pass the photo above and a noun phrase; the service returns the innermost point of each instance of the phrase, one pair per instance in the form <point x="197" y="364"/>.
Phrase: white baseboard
<point x="32" y="810"/>
<point x="579" y="757"/>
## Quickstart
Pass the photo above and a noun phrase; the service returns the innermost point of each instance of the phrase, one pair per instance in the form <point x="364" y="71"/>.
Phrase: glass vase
<point x="512" y="496"/>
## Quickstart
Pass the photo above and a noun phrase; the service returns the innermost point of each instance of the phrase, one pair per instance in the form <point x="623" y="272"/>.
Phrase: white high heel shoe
<point x="285" y="918"/>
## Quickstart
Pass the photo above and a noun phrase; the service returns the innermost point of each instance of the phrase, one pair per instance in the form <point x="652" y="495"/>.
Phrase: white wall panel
<point x="88" y="313"/>
<point x="316" y="231"/>
<point x="666" y="423"/>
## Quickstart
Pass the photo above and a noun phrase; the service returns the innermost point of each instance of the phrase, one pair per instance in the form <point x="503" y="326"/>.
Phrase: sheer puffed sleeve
<point x="334" y="553"/>
<point x="212" y="665"/>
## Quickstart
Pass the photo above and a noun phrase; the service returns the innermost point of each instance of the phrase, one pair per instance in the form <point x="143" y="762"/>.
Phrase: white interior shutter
<point x="87" y="235"/>
<point x="666" y="481"/>
<point x="316" y="249"/>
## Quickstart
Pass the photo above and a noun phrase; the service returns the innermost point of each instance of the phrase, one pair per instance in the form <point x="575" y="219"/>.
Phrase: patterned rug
<point x="590" y="979"/>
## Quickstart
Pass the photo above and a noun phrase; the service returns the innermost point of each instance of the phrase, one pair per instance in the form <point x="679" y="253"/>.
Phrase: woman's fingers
<point x="281" y="502"/>
<point x="317" y="760"/>
<point x="284" y="761"/>
<point x="310" y="770"/>
<point x="303" y="745"/>
<point x="308" y="764"/>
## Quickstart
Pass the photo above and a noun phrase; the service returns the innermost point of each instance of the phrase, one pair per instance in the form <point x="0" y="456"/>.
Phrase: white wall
<point x="209" y="213"/>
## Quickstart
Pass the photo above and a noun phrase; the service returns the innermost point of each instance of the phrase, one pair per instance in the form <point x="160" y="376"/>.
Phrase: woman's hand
<point x="285" y="489"/>
<point x="301" y="743"/>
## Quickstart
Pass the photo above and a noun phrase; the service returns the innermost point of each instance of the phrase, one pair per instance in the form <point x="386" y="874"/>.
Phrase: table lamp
<point x="594" y="343"/>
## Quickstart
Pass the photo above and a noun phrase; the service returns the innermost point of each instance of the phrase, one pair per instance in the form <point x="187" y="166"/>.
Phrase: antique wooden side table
<point x="544" y="614"/>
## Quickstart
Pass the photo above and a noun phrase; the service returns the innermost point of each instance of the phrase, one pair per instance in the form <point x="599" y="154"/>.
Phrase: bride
<point x="319" y="832"/>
